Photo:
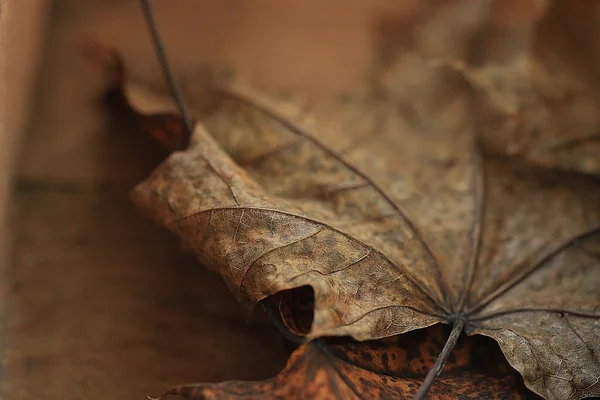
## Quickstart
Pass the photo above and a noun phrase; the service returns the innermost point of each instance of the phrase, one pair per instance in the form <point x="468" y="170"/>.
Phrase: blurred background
<point x="96" y="301"/>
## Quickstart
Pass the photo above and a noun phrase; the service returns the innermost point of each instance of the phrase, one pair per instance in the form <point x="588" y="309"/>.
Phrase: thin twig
<point x="159" y="48"/>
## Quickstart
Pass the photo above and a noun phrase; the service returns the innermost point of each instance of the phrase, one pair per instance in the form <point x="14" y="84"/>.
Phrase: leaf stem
<point x="459" y="324"/>
<point x="161" y="54"/>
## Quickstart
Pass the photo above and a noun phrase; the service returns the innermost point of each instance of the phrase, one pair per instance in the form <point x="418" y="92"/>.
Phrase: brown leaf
<point x="390" y="368"/>
<point x="397" y="222"/>
<point x="534" y="64"/>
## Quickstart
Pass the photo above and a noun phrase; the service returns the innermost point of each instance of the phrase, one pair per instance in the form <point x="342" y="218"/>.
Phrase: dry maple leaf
<point x="534" y="63"/>
<point x="390" y="368"/>
<point x="395" y="224"/>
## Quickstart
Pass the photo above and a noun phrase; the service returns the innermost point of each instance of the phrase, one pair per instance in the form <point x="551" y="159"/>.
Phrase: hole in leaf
<point x="296" y="309"/>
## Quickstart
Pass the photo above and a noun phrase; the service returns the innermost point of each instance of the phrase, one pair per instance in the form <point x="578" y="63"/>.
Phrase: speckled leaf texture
<point x="407" y="204"/>
<point x="391" y="368"/>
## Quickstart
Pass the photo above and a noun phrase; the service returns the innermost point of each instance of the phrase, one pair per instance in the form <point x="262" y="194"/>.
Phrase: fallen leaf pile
<point x="457" y="187"/>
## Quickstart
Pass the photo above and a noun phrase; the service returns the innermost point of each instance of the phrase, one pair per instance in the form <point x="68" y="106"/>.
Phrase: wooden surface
<point x="101" y="303"/>
<point x="22" y="26"/>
